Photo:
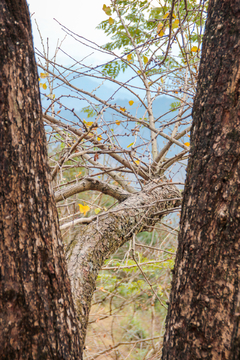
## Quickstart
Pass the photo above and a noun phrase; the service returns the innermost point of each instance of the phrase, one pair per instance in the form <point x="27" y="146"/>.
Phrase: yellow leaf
<point x="107" y="9"/>
<point x="188" y="135"/>
<point x="145" y="60"/>
<point x="122" y="109"/>
<point x="99" y="138"/>
<point x="44" y="86"/>
<point x="194" y="49"/>
<point x="166" y="15"/>
<point x="139" y="72"/>
<point x="174" y="16"/>
<point x="83" y="209"/>
<point x="97" y="211"/>
<point x="39" y="79"/>
<point x="130" y="145"/>
<point x="131" y="102"/>
<point x="40" y="85"/>
<point x="118" y="122"/>
<point x="129" y="57"/>
<point x="51" y="96"/>
<point x="175" y="24"/>
<point x="88" y="124"/>
<point x="44" y="75"/>
<point x="187" y="143"/>
<point x="137" y="162"/>
<point x="160" y="29"/>
<point x="111" y="21"/>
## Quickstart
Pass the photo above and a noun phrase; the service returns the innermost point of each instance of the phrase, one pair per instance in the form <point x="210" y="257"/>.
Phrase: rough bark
<point x="92" y="184"/>
<point x="204" y="310"/>
<point x="37" y="317"/>
<point x="110" y="231"/>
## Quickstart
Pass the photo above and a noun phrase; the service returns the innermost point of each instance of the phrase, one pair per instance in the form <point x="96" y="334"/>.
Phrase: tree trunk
<point x="204" y="310"/>
<point x="37" y="317"/>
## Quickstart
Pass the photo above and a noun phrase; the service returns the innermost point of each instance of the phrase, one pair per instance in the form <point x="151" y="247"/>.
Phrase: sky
<point x="81" y="17"/>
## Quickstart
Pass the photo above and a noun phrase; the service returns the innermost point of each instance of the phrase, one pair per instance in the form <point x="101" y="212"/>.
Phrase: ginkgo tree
<point x="116" y="165"/>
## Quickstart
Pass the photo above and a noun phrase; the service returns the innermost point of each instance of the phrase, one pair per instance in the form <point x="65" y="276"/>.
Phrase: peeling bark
<point x="102" y="238"/>
<point x="37" y="316"/>
<point x="204" y="310"/>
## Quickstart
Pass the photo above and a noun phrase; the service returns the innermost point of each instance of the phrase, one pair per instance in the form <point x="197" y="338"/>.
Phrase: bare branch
<point x="92" y="184"/>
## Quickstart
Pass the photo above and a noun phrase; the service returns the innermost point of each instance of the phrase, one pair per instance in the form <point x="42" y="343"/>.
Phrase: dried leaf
<point x="96" y="157"/>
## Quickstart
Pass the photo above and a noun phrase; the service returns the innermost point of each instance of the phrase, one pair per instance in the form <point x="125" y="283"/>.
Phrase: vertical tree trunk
<point x="37" y="317"/>
<point x="204" y="310"/>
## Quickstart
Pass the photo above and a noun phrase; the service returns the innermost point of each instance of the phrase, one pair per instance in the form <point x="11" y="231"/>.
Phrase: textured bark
<point x="37" y="317"/>
<point x="204" y="310"/>
<point x="110" y="231"/>
<point x="92" y="184"/>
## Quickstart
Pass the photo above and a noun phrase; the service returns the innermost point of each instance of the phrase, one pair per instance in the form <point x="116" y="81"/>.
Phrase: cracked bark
<point x="204" y="310"/>
<point x="37" y="316"/>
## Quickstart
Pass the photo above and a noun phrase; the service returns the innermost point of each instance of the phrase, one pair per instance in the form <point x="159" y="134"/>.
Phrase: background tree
<point x="103" y="155"/>
<point x="203" y="315"/>
<point x="36" y="308"/>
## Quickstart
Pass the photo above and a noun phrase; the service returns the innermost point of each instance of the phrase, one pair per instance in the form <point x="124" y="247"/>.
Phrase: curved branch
<point x="92" y="184"/>
<point x="102" y="238"/>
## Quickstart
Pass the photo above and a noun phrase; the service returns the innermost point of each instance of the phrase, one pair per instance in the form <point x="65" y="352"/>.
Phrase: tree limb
<point x="92" y="184"/>
<point x="101" y="239"/>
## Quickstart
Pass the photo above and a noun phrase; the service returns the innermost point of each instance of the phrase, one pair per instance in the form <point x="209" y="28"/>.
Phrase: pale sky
<point x="80" y="16"/>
